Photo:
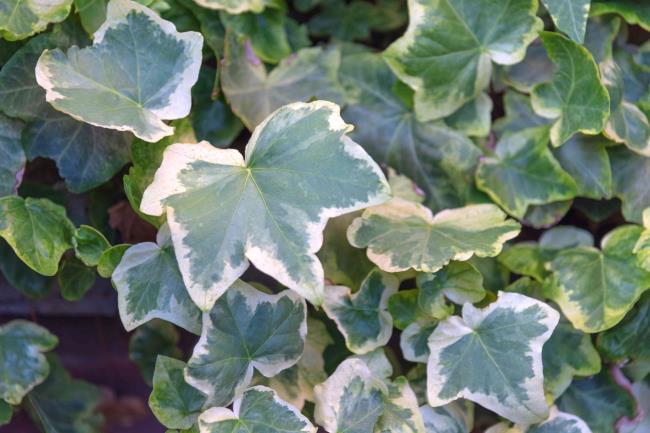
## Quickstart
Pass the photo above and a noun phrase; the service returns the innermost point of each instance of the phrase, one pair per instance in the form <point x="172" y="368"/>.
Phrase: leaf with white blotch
<point x="630" y="338"/>
<point x="523" y="172"/>
<point x="600" y="401"/>
<point x="38" y="231"/>
<point x="351" y="400"/>
<point x="455" y="417"/>
<point x="459" y="282"/>
<point x="570" y="17"/>
<point x="235" y="6"/>
<point x="362" y="316"/>
<point x="445" y="71"/>
<point x="270" y="207"/>
<point x="630" y="176"/>
<point x="401" y="412"/>
<point x="596" y="288"/>
<point x="642" y="246"/>
<point x="438" y="159"/>
<point x="534" y="69"/>
<point x="575" y="95"/>
<point x="557" y="422"/>
<point x="401" y="235"/>
<point x="632" y="11"/>
<point x="149" y="285"/>
<point x="23" y="344"/>
<point x="253" y="93"/>
<point x="20" y="19"/>
<point x="568" y="353"/>
<point x="173" y="401"/>
<point x="89" y="244"/>
<point x="151" y="340"/>
<point x="474" y="358"/>
<point x="12" y="156"/>
<point x="413" y="341"/>
<point x="232" y="343"/>
<point x="627" y="123"/>
<point x="134" y="81"/>
<point x="258" y="410"/>
<point x="63" y="404"/>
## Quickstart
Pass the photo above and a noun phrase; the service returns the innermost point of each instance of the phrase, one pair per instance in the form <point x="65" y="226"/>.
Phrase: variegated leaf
<point x="20" y="19"/>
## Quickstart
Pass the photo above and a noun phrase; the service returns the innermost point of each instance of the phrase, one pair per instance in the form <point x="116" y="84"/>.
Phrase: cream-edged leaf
<point x="270" y="208"/>
<point x="401" y="412"/>
<point x="493" y="356"/>
<point x="570" y="17"/>
<point x="362" y="316"/>
<point x="403" y="235"/>
<point x="235" y="6"/>
<point x="138" y="72"/>
<point x="246" y="330"/>
<point x="455" y="417"/>
<point x="20" y="19"/>
<point x="149" y="285"/>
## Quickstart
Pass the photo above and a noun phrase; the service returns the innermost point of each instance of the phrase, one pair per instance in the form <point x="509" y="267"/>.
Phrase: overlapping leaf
<point x="20" y="19"/>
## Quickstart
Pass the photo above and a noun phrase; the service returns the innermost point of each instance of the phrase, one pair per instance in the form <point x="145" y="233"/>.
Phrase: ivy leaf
<point x="575" y="95"/>
<point x="534" y="69"/>
<point x="570" y="17"/>
<point x="414" y="340"/>
<point x="23" y="344"/>
<point x="75" y="279"/>
<point x="642" y="246"/>
<point x="472" y="357"/>
<point x="89" y="244"/>
<point x="438" y="159"/>
<point x="6" y="412"/>
<point x="270" y="208"/>
<point x="454" y="417"/>
<point x="63" y="404"/>
<point x="586" y="399"/>
<point x="154" y="338"/>
<point x="149" y="285"/>
<point x="21" y="276"/>
<point x="448" y="72"/>
<point x="557" y="422"/>
<point x="363" y="317"/>
<point x="460" y="282"/>
<point x="20" y="19"/>
<point x="38" y="231"/>
<point x="258" y="410"/>
<point x="568" y="353"/>
<point x="254" y="94"/>
<point x="401" y="412"/>
<point x="631" y="11"/>
<point x="629" y="339"/>
<point x="629" y="176"/>
<point x="110" y="258"/>
<point x="12" y="162"/>
<point x="525" y="258"/>
<point x="596" y="288"/>
<point x="519" y="114"/>
<point x="523" y="172"/>
<point x="236" y="6"/>
<point x="232" y="344"/>
<point x="350" y="400"/>
<point x="151" y="83"/>
<point x="401" y="235"/>
<point x="174" y="403"/>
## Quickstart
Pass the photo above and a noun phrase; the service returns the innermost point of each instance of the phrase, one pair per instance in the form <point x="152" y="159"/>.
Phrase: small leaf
<point x="21" y="276"/>
<point x="20" y="19"/>
<point x="75" y="279"/>
<point x="110" y="258"/>
<point x="534" y="69"/>
<point x="524" y="172"/>
<point x="631" y="337"/>
<point x="235" y="6"/>
<point x="149" y="285"/>
<point x="363" y="317"/>
<point x="401" y="235"/>
<point x="642" y="246"/>
<point x="23" y="344"/>
<point x="460" y="282"/>
<point x="630" y="173"/>
<point x="154" y="338"/>
<point x="596" y="288"/>
<point x="12" y="156"/>
<point x="89" y="244"/>
<point x="157" y="78"/>
<point x="454" y="417"/>
<point x="267" y="32"/>
<point x="570" y="17"/>
<point x="38" y="231"/>
<point x="174" y="403"/>
<point x="525" y="258"/>
<point x="300" y="169"/>
<point x="258" y="410"/>
<point x="575" y="96"/>
<point x="254" y="95"/>
<point x="232" y="343"/>
<point x="474" y="358"/>
<point x="401" y="412"/>
<point x="414" y="340"/>
<point x="447" y="72"/>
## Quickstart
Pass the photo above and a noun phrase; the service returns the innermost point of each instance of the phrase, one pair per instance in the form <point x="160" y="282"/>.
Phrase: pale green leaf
<point x="459" y="282"/>
<point x="438" y="159"/>
<point x="110" y="258"/>
<point x="447" y="51"/>
<point x="455" y="417"/>
<point x="575" y="95"/>
<point x="401" y="412"/>
<point x="266" y="33"/>
<point x="254" y="94"/>
<point x="89" y="244"/>
<point x="493" y="357"/>
<point x="362" y="317"/>
<point x="233" y="343"/>
<point x="22" y="362"/>
<point x="270" y="207"/>
<point x="596" y="288"/>
<point x="401" y="235"/>
<point x="642" y="246"/>
<point x="570" y="16"/>
<point x="525" y="258"/>
<point x="235" y="6"/>
<point x="173" y="401"/>
<point x="258" y="410"/>
<point x="132" y="85"/>
<point x="20" y="19"/>
<point x="38" y="231"/>
<point x="523" y="172"/>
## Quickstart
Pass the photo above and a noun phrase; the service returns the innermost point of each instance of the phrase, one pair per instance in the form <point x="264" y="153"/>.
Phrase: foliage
<point x="445" y="203"/>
